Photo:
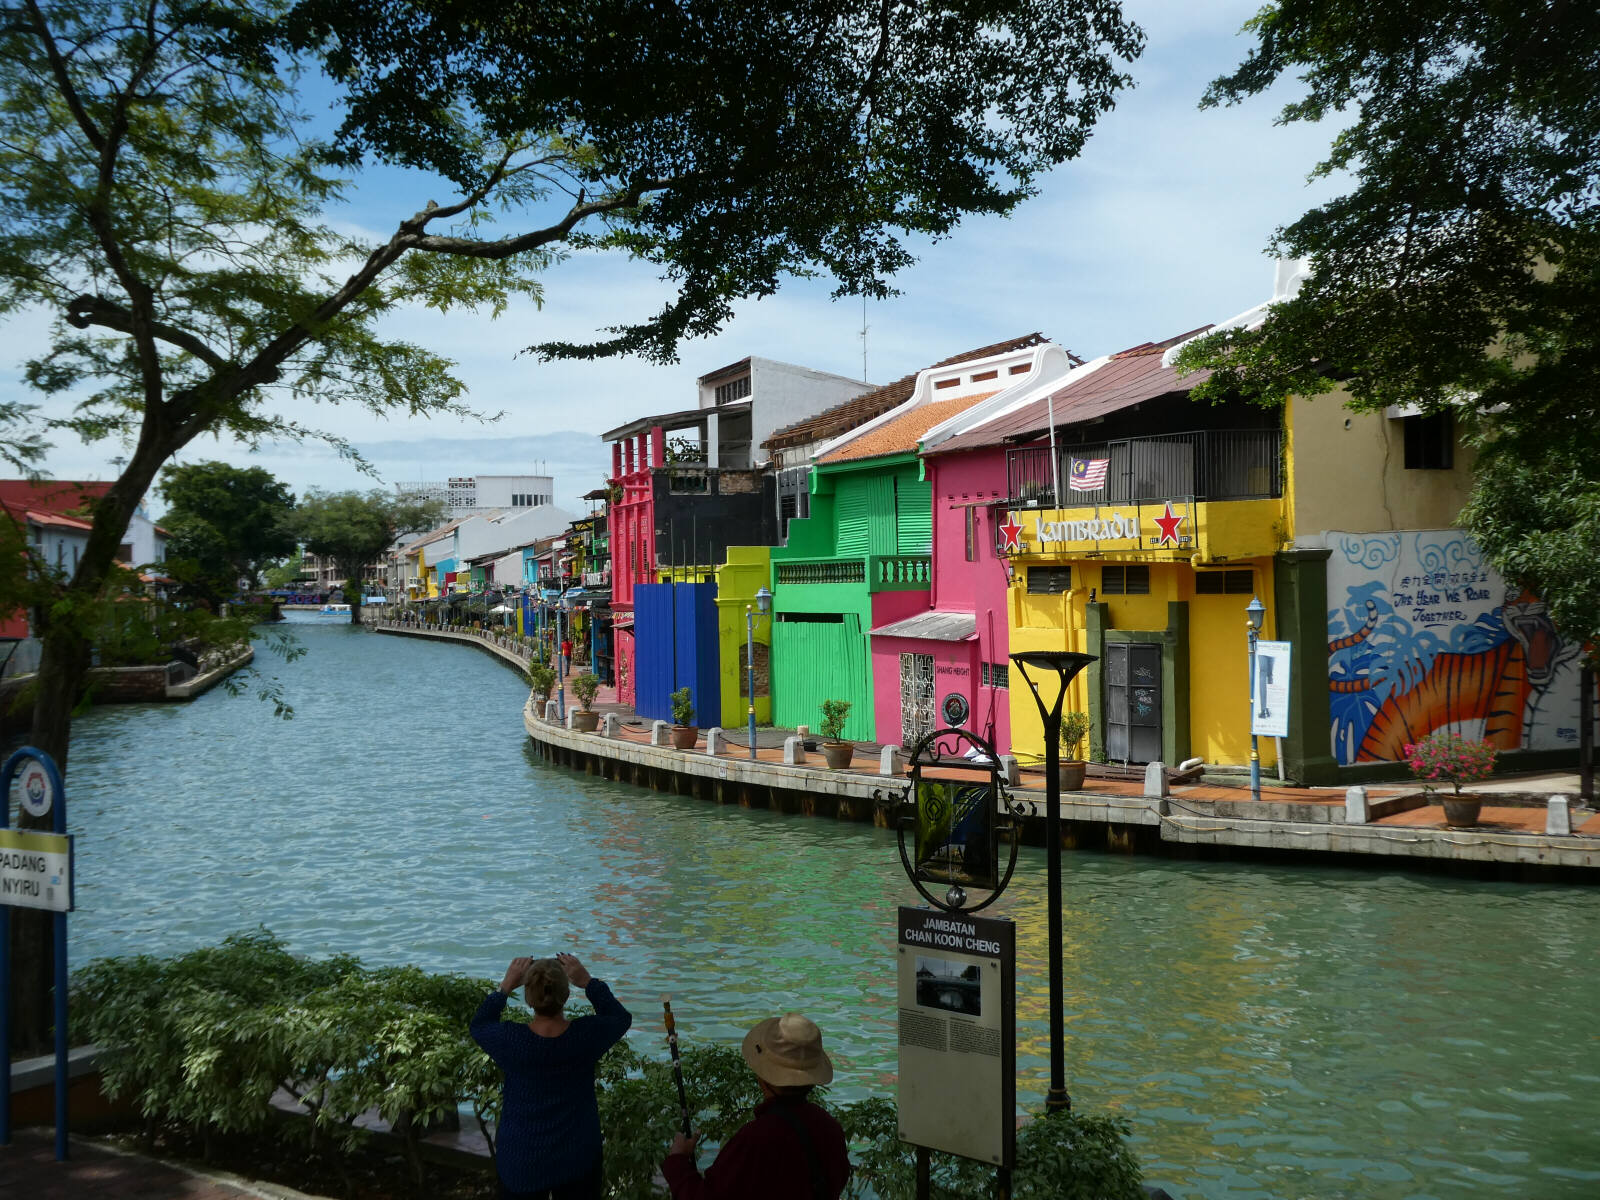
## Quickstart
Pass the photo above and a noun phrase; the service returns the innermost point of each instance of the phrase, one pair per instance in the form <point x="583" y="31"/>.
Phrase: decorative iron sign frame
<point x="956" y="811"/>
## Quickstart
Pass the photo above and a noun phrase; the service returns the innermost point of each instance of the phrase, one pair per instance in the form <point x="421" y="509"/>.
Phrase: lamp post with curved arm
<point x="761" y="608"/>
<point x="1065" y="665"/>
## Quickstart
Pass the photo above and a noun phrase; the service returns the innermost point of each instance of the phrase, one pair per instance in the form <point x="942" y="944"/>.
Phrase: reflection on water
<point x="1271" y="1032"/>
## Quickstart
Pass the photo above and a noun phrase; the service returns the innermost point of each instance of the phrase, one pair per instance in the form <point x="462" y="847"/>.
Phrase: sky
<point x="1160" y="226"/>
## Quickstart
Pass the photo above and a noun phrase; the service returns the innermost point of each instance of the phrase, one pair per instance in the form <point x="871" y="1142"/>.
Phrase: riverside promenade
<point x="1522" y="836"/>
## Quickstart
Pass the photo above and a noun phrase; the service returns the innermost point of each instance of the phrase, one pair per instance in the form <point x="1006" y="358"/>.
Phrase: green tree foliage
<point x="225" y="523"/>
<point x="204" y="1039"/>
<point x="1462" y="268"/>
<point x="355" y="529"/>
<point x="159" y="196"/>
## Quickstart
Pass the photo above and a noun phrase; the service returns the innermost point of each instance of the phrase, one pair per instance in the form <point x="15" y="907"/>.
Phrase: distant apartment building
<point x="464" y="495"/>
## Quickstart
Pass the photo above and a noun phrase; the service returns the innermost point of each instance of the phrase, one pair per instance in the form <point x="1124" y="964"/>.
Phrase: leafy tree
<point x="354" y="529"/>
<point x="226" y="521"/>
<point x="159" y="195"/>
<point x="1461" y="270"/>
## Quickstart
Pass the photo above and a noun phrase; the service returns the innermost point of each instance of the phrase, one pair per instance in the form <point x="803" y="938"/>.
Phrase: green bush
<point x="204" y="1039"/>
<point x="834" y="713"/>
<point x="1074" y="728"/>
<point x="586" y="687"/>
<point x="542" y="679"/>
<point x="683" y="706"/>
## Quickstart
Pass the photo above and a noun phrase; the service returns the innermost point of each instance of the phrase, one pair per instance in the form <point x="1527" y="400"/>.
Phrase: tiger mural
<point x="1494" y="685"/>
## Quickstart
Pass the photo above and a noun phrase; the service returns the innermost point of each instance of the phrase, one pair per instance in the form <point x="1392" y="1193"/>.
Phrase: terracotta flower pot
<point x="1461" y="812"/>
<point x="585" y="721"/>
<point x="1070" y="772"/>
<point x="838" y="754"/>
<point x="684" y="736"/>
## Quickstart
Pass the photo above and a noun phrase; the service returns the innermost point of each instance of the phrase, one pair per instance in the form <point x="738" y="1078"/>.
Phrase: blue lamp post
<point x="1254" y="613"/>
<point x="561" y="660"/>
<point x="764" y="605"/>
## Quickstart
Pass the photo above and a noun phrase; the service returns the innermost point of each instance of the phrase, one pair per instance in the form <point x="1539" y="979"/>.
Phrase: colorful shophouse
<point x="860" y="565"/>
<point x="688" y="484"/>
<point x="1140" y="524"/>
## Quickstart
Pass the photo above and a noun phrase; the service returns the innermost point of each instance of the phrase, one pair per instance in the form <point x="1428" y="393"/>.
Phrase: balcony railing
<point x="823" y="570"/>
<point x="880" y="572"/>
<point x="1222" y="464"/>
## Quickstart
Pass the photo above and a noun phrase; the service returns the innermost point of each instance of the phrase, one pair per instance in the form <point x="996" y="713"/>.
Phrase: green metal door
<point x="913" y="508"/>
<point x="813" y="661"/>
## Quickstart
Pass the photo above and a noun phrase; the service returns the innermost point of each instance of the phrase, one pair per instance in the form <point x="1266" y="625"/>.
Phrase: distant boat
<point x="332" y="609"/>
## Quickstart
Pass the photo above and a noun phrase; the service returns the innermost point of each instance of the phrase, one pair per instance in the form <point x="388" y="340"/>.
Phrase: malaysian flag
<point x="1088" y="474"/>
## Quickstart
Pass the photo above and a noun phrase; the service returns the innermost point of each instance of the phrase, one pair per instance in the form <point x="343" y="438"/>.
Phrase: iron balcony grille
<point x="1224" y="464"/>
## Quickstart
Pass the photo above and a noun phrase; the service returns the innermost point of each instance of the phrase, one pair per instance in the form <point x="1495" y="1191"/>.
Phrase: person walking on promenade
<point x="549" y="1144"/>
<point x="790" y="1149"/>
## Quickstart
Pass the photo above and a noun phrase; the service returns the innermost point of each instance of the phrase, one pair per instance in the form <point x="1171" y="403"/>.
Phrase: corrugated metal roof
<point x="936" y="626"/>
<point x="842" y="418"/>
<point x="1130" y="377"/>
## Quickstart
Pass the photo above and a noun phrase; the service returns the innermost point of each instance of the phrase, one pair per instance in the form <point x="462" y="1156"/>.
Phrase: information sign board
<point x="958" y="1026"/>
<point x="1269" y="710"/>
<point x="36" y="870"/>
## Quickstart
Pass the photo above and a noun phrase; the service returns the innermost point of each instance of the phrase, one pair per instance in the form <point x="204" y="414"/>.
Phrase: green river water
<point x="1270" y="1031"/>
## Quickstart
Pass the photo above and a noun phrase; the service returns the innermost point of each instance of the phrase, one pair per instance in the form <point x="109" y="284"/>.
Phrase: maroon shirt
<point x="766" y="1159"/>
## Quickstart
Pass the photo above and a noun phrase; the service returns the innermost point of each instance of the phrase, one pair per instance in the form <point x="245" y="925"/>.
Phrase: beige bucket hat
<point x="787" y="1051"/>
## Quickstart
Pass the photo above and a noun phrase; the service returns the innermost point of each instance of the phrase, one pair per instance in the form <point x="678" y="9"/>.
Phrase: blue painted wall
<point x="675" y="635"/>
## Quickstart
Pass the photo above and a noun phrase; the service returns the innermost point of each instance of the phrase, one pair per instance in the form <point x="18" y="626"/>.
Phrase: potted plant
<point x="684" y="732"/>
<point x="1070" y="769"/>
<point x="543" y="681"/>
<point x="1450" y="757"/>
<point x="835" y="749"/>
<point x="586" y="687"/>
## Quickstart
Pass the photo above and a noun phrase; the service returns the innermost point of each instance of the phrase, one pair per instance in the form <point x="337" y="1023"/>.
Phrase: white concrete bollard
<point x="571" y="714"/>
<point x="658" y="733"/>
<point x="714" y="740"/>
<point x="1155" y="781"/>
<point x="1558" y="817"/>
<point x="889" y="760"/>
<point x="608" y="725"/>
<point x="1355" y="806"/>
<point x="1010" y="769"/>
<point x="550" y="711"/>
<point x="794" y="751"/>
<point x="802" y="731"/>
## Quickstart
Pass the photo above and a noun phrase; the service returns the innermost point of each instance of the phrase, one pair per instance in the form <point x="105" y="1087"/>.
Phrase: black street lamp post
<point x="1065" y="664"/>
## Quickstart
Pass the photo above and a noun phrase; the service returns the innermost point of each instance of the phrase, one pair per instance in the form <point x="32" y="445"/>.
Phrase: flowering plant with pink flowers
<point x="1449" y="757"/>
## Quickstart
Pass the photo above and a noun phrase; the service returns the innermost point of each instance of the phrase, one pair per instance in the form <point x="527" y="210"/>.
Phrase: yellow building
<point x="747" y="569"/>
<point x="1140" y="525"/>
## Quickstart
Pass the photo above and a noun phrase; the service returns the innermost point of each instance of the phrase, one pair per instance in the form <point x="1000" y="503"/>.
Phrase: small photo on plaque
<point x="950" y="986"/>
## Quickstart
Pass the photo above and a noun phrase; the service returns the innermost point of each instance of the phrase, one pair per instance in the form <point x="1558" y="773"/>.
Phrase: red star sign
<point x="1012" y="532"/>
<point x="1169" y="525"/>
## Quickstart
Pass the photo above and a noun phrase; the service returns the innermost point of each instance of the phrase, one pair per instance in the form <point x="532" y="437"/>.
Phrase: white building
<point x="464" y="495"/>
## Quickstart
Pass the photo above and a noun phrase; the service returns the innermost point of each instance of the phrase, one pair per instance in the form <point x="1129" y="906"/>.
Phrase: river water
<point x="1270" y="1031"/>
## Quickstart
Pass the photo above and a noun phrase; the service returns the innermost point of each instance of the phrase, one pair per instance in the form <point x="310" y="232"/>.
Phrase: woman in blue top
<point x="549" y="1144"/>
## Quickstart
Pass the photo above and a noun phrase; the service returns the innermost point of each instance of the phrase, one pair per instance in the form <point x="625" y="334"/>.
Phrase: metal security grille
<point x="1133" y="702"/>
<point x="917" y="704"/>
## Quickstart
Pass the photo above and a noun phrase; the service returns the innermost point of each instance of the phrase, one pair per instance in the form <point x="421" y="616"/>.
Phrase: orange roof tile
<point x="904" y="432"/>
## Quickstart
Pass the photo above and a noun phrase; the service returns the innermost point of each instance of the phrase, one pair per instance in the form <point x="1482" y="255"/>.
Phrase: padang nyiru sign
<point x="36" y="870"/>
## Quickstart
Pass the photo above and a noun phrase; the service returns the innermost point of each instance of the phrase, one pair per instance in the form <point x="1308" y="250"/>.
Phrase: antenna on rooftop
<point x="863" y="336"/>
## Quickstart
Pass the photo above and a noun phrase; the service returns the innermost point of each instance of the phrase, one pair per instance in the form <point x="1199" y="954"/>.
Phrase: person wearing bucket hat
<point x="790" y="1149"/>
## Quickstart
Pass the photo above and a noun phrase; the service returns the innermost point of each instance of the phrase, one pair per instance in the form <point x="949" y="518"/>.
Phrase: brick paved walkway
<point x="29" y="1171"/>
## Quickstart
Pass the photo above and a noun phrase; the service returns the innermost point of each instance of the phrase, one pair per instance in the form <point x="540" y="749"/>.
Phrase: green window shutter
<point x="878" y="498"/>
<point x="850" y="508"/>
<point x="914" y="515"/>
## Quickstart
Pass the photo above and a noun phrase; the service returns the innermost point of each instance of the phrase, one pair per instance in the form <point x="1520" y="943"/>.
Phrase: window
<point x="972" y="534"/>
<point x="1225" y="583"/>
<point x="736" y="389"/>
<point x="1430" y="442"/>
<point x="1049" y="581"/>
<point x="1125" y="581"/>
<point x="125" y="552"/>
<point x="982" y="376"/>
<point x="996" y="675"/>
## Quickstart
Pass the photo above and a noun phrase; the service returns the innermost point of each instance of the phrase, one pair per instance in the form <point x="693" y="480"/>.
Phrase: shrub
<point x="202" y="1040"/>
<point x="1074" y="728"/>
<point x="683" y="707"/>
<point x="834" y="713"/>
<point x="1449" y="757"/>
<point x="586" y="687"/>
<point x="542" y="679"/>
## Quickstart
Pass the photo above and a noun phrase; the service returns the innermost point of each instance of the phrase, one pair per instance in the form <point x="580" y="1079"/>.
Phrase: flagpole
<point x="1055" y="464"/>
